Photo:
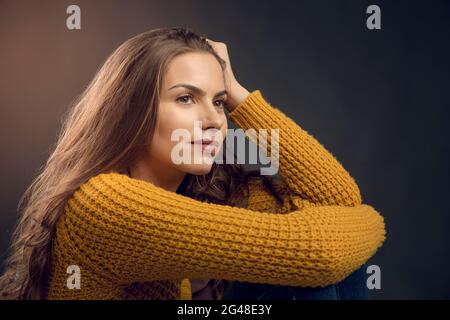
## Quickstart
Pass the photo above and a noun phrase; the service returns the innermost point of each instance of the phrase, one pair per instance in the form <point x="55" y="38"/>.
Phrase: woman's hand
<point x="236" y="92"/>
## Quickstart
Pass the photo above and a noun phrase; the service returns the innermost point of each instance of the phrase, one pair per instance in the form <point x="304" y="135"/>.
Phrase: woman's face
<point x="191" y="109"/>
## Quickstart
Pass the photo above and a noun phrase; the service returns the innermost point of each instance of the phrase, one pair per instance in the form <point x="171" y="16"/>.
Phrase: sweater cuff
<point x="254" y="97"/>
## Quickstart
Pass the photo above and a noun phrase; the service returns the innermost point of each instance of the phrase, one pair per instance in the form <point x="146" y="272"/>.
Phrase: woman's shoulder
<point x="114" y="183"/>
<point x="100" y="185"/>
<point x="106" y="191"/>
<point x="110" y="178"/>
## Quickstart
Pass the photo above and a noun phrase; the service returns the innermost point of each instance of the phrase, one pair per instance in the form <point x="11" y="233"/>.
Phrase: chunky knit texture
<point x="134" y="240"/>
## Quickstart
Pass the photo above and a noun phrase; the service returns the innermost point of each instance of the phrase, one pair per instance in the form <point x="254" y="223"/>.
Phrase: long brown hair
<point x="106" y="128"/>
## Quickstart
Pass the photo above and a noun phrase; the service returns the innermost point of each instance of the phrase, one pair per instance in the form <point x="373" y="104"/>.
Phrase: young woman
<point x="113" y="216"/>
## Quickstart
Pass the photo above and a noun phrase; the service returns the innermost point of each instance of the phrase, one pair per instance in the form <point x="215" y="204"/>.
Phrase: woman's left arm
<point x="307" y="167"/>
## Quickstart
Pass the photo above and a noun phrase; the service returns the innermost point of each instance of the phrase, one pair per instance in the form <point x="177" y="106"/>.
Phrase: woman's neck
<point x="167" y="179"/>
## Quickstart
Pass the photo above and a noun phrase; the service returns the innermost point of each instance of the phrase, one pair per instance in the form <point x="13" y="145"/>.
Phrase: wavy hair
<point x="108" y="126"/>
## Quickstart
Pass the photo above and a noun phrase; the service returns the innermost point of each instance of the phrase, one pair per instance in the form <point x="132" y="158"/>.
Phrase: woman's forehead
<point x="199" y="69"/>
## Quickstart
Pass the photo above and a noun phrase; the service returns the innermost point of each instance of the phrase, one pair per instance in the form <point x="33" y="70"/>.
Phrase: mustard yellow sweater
<point x="134" y="240"/>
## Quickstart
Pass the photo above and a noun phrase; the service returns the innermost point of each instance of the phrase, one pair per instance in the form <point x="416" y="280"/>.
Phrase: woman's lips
<point x="207" y="144"/>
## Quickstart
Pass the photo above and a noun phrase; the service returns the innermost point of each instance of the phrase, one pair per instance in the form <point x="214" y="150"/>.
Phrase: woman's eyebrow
<point x="196" y="89"/>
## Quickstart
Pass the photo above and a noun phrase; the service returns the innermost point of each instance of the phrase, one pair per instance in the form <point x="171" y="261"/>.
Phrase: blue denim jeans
<point x="351" y="288"/>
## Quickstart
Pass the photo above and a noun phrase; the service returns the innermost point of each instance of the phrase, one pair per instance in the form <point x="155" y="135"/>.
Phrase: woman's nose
<point x="211" y="118"/>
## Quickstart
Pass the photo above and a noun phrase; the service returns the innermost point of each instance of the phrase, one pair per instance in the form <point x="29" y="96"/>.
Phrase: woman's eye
<point x="222" y="103"/>
<point x="184" y="99"/>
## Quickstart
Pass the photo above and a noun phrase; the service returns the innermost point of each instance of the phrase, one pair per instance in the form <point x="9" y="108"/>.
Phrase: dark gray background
<point x="378" y="100"/>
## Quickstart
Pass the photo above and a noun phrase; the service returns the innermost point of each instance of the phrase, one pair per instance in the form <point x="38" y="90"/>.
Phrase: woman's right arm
<point x="144" y="233"/>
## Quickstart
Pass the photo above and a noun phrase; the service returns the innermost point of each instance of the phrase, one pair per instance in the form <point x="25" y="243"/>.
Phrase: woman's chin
<point x="198" y="169"/>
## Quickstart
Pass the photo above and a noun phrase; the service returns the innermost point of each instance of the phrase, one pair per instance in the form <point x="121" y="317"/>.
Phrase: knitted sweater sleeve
<point x="130" y="230"/>
<point x="309" y="169"/>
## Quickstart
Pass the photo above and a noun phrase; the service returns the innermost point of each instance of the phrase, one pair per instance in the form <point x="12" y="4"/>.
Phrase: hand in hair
<point x="236" y="92"/>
